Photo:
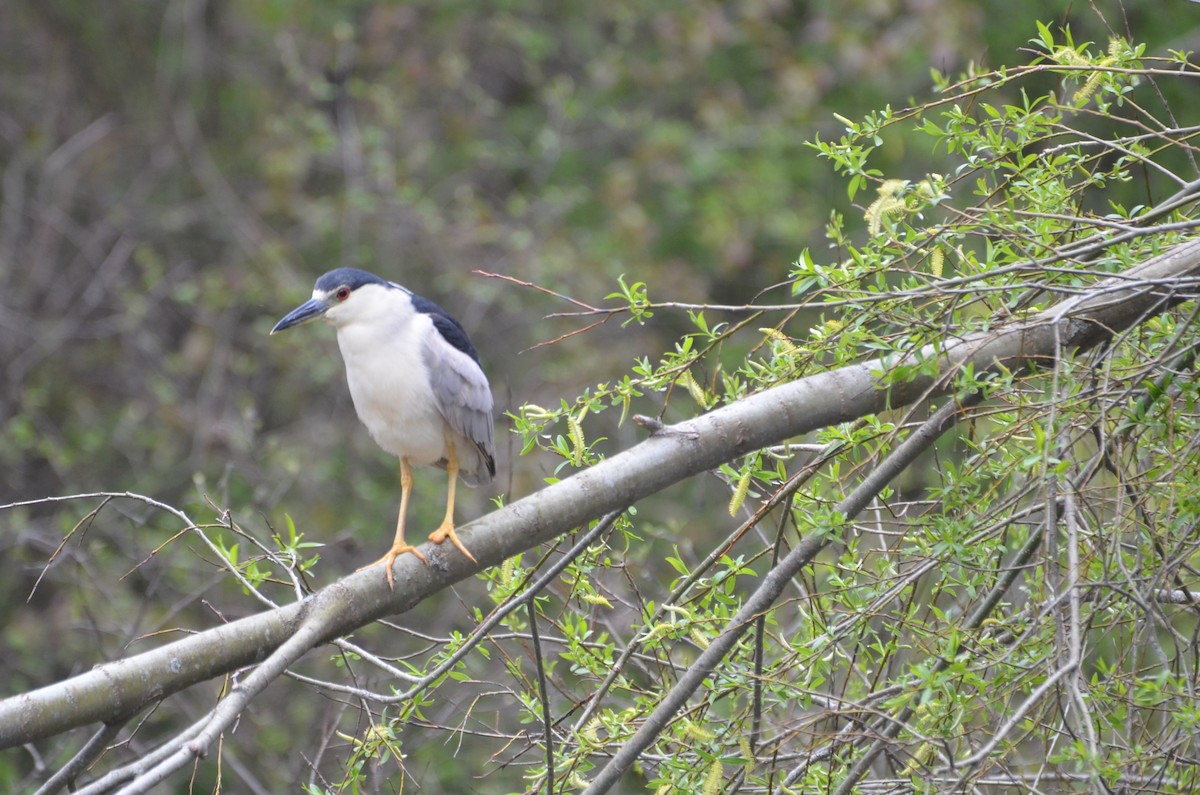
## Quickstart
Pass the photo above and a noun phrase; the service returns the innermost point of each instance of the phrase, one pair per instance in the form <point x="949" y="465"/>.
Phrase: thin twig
<point x="547" y="723"/>
<point x="90" y="751"/>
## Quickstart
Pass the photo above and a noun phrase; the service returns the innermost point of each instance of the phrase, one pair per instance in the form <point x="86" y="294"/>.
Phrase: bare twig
<point x="547" y="723"/>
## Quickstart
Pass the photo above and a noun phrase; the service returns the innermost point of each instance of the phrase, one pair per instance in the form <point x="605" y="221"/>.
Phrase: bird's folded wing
<point x="463" y="397"/>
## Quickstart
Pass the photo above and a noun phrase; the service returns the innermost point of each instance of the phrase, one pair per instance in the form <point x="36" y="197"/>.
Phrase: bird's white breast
<point x="390" y="387"/>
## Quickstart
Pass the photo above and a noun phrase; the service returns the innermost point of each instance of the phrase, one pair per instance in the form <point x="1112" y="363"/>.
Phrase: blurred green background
<point x="175" y="175"/>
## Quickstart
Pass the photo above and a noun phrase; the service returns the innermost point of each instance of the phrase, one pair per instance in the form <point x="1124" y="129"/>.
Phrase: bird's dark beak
<point x="309" y="310"/>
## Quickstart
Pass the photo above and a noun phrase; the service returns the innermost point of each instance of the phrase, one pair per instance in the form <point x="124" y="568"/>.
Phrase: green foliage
<point x="1023" y="217"/>
<point x="164" y="204"/>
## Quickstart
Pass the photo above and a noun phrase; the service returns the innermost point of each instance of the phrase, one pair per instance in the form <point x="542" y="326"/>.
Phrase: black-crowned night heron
<point x="415" y="381"/>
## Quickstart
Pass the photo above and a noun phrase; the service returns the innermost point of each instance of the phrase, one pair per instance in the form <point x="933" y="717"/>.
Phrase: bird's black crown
<point x="348" y="277"/>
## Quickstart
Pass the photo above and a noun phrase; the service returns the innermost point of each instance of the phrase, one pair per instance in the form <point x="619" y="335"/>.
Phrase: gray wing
<point x="464" y="399"/>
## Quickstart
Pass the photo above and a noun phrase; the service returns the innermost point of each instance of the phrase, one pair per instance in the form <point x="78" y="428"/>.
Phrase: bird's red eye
<point x="342" y="293"/>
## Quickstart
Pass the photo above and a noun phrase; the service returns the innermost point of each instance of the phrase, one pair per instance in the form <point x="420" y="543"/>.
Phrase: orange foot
<point x="447" y="531"/>
<point x="389" y="559"/>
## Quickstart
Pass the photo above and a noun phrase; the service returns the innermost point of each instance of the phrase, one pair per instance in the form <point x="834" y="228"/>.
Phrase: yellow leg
<point x="446" y="528"/>
<point x="399" y="545"/>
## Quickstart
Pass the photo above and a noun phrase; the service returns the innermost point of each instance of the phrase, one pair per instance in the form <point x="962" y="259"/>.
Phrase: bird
<point x="416" y="384"/>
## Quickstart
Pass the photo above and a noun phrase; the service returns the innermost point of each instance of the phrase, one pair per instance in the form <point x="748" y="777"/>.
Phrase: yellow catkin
<point x="1068" y="57"/>
<point x="1093" y="82"/>
<point x="783" y="343"/>
<point x="936" y="260"/>
<point x="921" y="756"/>
<point x="589" y="734"/>
<point x="693" y="388"/>
<point x="655" y="631"/>
<point x="533" y="411"/>
<point x="740" y="492"/>
<point x="595" y="599"/>
<point x="579" y="446"/>
<point x="678" y="610"/>
<point x="888" y="203"/>
<point x="716" y="775"/>
<point x="1089" y="88"/>
<point x="696" y="732"/>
